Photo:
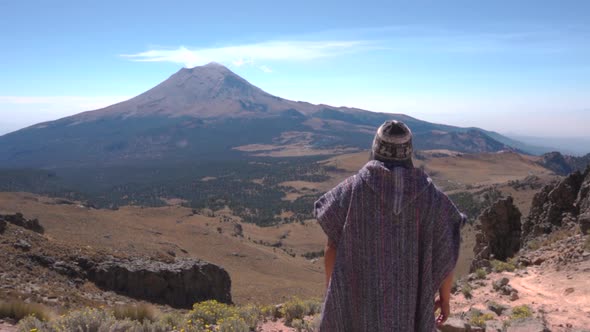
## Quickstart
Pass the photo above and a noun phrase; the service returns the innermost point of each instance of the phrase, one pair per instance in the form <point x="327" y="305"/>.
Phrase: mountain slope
<point x="202" y="114"/>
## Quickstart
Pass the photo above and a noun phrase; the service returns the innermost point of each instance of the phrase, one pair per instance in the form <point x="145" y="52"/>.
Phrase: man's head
<point x="393" y="144"/>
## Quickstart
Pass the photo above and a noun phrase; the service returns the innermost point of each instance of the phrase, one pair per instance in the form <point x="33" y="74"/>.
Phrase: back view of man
<point x="393" y="242"/>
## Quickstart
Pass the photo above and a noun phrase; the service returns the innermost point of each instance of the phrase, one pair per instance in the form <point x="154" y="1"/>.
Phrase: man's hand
<point x="445" y="311"/>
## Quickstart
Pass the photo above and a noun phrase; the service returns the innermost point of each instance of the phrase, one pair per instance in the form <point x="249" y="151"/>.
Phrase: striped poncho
<point x="397" y="238"/>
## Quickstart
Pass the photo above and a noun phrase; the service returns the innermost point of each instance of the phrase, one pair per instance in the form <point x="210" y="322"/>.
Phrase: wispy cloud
<point x="251" y="54"/>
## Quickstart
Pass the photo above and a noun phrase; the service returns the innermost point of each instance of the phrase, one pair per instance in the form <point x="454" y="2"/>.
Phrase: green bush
<point x="481" y="273"/>
<point x="480" y="319"/>
<point x="522" y="311"/>
<point x="500" y="266"/>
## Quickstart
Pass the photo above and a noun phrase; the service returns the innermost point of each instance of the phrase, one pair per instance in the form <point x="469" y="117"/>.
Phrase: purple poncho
<point x="397" y="238"/>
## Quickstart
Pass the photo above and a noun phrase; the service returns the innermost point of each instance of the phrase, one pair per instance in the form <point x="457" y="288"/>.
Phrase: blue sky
<point x="520" y="67"/>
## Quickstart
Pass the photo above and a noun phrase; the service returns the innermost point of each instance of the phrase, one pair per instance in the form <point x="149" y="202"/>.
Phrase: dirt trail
<point x="564" y="295"/>
<point x="560" y="296"/>
<point x="5" y="327"/>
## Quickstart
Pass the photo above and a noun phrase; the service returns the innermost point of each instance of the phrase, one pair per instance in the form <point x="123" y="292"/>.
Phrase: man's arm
<point x="329" y="260"/>
<point x="444" y="300"/>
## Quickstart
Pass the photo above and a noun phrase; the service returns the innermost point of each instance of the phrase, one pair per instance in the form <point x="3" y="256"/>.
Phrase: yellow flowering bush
<point x="211" y="311"/>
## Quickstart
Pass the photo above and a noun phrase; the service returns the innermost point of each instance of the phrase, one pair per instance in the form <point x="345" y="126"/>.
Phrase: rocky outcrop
<point x="2" y="225"/>
<point x="563" y="164"/>
<point x="557" y="163"/>
<point x="498" y="233"/>
<point x="566" y="201"/>
<point x="583" y="203"/>
<point x="179" y="284"/>
<point x="19" y="220"/>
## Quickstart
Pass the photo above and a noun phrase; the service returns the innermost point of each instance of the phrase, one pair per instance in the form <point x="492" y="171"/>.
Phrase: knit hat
<point x="393" y="143"/>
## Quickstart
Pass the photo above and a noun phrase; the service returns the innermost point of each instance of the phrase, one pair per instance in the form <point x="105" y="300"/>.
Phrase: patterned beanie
<point x="393" y="143"/>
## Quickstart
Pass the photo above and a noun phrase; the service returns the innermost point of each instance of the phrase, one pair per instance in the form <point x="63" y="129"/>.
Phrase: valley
<point x="267" y="263"/>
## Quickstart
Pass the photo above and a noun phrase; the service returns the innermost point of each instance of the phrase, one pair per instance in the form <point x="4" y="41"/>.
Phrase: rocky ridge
<point x="534" y="279"/>
<point x="562" y="204"/>
<point x="36" y="269"/>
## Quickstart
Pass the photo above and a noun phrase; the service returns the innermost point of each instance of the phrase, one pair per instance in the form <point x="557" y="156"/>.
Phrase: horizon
<point x="520" y="70"/>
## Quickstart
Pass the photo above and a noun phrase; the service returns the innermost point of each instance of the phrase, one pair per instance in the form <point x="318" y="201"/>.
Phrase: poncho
<point x="397" y="238"/>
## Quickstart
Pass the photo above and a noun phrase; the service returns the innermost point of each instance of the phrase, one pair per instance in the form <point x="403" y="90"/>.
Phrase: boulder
<point x="498" y="309"/>
<point x="500" y="283"/>
<point x="19" y="220"/>
<point x="526" y="325"/>
<point x="494" y="326"/>
<point x="2" y="225"/>
<point x="22" y="245"/>
<point x="455" y="325"/>
<point x="179" y="284"/>
<point x="498" y="233"/>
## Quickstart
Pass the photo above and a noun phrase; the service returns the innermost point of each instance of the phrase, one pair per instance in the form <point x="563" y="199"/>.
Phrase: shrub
<point x="272" y="311"/>
<point x="233" y="324"/>
<point x="31" y="323"/>
<point x="466" y="290"/>
<point x="215" y="313"/>
<point x="534" y="244"/>
<point x="481" y="273"/>
<point x="171" y="319"/>
<point x="522" y="311"/>
<point x="140" y="312"/>
<point x="298" y="309"/>
<point x="480" y="319"/>
<point x="18" y="310"/>
<point x="211" y="311"/>
<point x="86" y="320"/>
<point x="499" y="266"/>
<point x="251" y="315"/>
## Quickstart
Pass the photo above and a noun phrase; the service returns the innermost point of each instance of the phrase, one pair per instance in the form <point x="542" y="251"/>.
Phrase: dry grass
<point x="140" y="312"/>
<point x="299" y="309"/>
<point x="500" y="266"/>
<point x="466" y="291"/>
<point x="18" y="310"/>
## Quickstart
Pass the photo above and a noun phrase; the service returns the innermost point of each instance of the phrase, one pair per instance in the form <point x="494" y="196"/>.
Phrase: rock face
<point x="557" y="204"/>
<point x="179" y="284"/>
<point x="498" y="233"/>
<point x="18" y="220"/>
<point x="2" y="225"/>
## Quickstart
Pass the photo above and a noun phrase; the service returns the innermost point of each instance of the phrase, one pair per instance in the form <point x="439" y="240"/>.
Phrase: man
<point x="393" y="242"/>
